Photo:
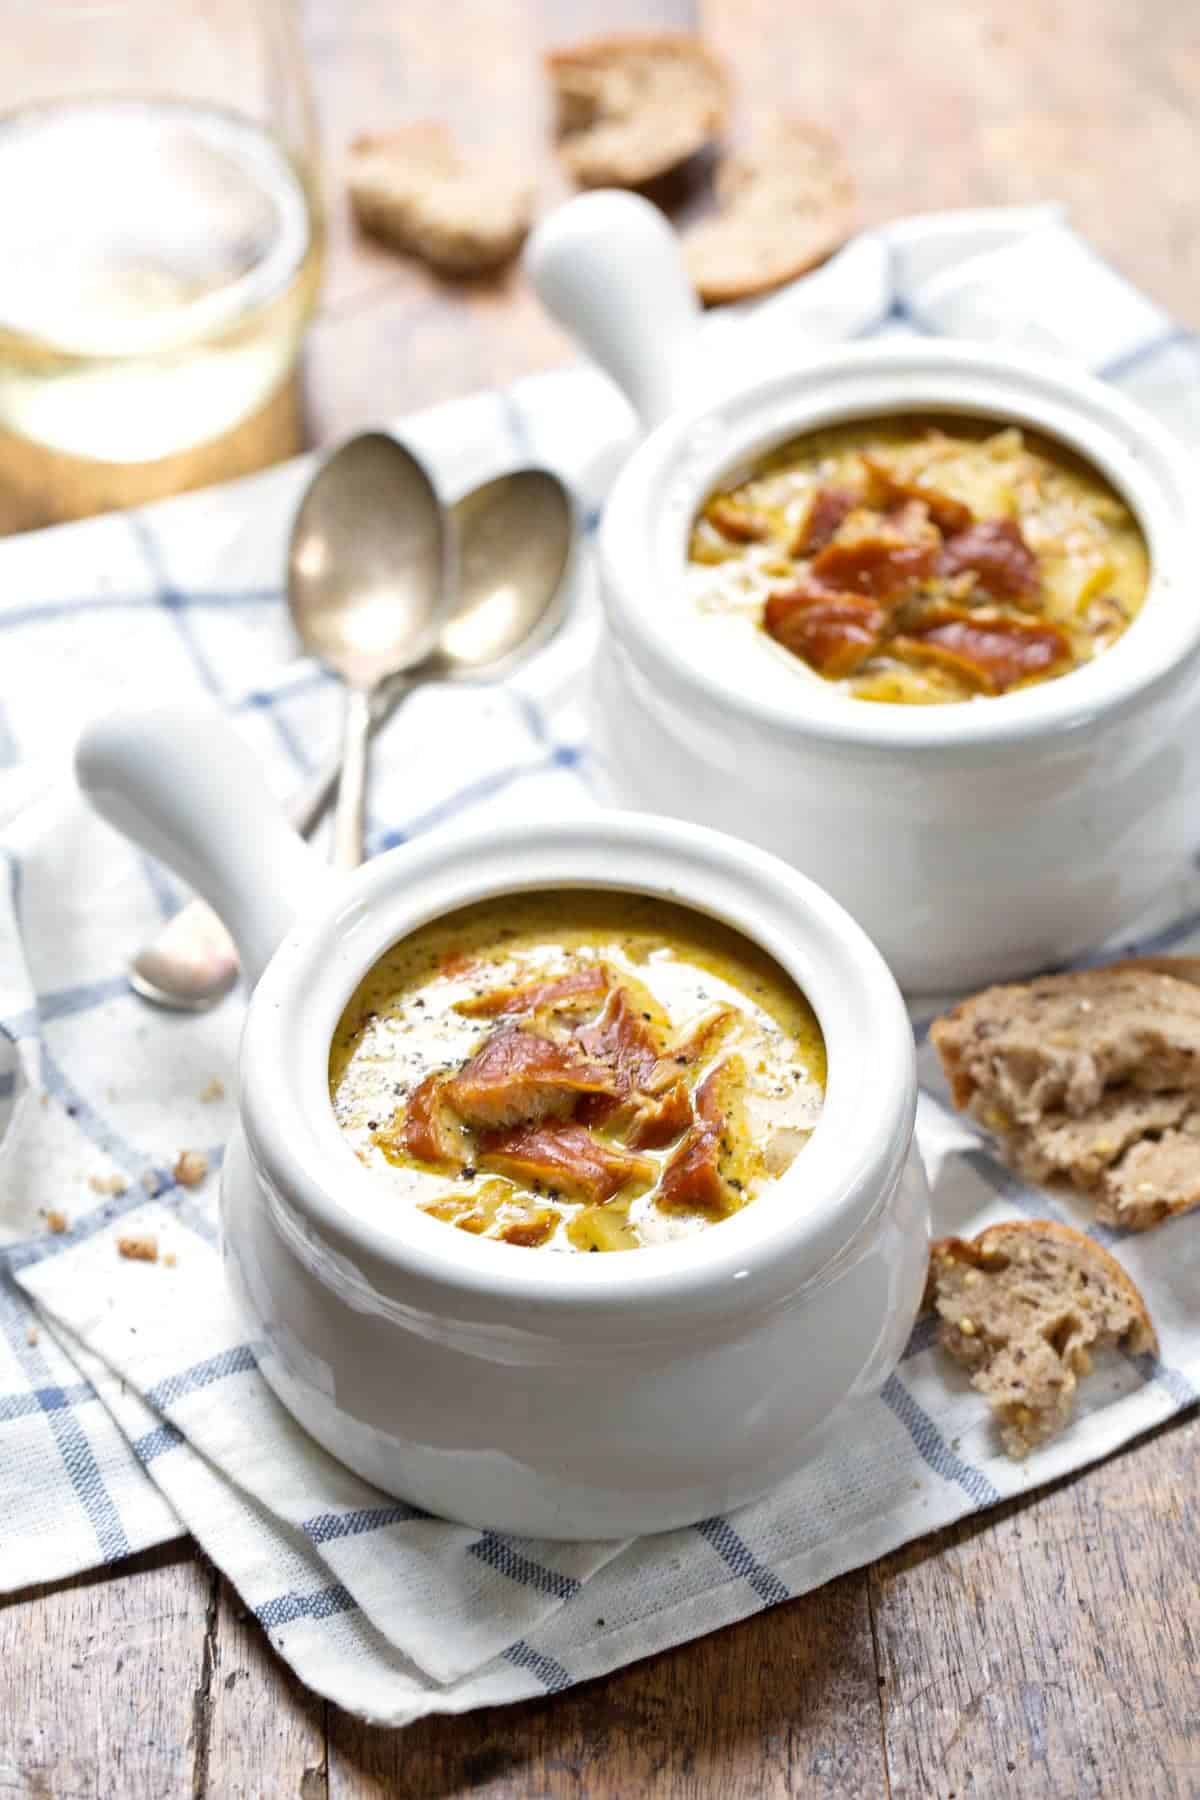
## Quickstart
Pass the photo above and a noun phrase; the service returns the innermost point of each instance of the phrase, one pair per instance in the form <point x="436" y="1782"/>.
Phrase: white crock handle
<point x="607" y="266"/>
<point x="183" y="785"/>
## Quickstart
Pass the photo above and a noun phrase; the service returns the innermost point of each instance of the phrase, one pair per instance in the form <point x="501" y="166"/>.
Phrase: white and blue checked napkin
<point x="130" y="1403"/>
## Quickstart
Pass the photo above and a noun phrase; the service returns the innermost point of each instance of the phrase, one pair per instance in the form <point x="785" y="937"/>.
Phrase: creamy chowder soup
<point x="923" y="560"/>
<point x="576" y="1071"/>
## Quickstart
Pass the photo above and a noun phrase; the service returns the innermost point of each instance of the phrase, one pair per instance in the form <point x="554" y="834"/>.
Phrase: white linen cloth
<point x="130" y="1404"/>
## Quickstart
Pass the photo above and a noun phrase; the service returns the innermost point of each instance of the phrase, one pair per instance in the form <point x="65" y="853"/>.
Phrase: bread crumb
<point x="150" y="1181"/>
<point x="191" y="1166"/>
<point x="138" y="1249"/>
<point x="31" y="1335"/>
<point x="213" y="1090"/>
<point x="169" y="1259"/>
<point x="108" y="1184"/>
<point x="56" y="1221"/>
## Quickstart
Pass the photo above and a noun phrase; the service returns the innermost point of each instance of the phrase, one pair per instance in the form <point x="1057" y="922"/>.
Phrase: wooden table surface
<point x="1048" y="1648"/>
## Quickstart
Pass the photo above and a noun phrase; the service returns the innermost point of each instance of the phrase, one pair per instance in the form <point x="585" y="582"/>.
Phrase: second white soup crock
<point x="974" y="841"/>
<point x="524" y="1390"/>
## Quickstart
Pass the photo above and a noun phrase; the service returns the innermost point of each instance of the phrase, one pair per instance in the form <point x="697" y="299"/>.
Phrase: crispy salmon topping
<point x="518" y="1076"/>
<point x="562" y="1157"/>
<point x="834" y="633"/>
<point x="656" y="1120"/>
<point x="693" y="1180"/>
<point x="740" y="524"/>
<point x="995" y="552"/>
<point x="993" y="654"/>
<point x="882" y="556"/>
<point x="827" y="510"/>
<point x="427" y="1130"/>
<point x="887" y="491"/>
<point x="578" y="992"/>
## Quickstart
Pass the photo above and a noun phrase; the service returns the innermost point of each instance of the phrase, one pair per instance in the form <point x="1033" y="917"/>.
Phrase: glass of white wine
<point x="161" y="237"/>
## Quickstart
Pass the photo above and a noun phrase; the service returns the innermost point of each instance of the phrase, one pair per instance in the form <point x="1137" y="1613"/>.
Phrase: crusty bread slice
<point x="634" y="105"/>
<point x="1013" y="1054"/>
<point x="785" y="204"/>
<point x="1022" y="1306"/>
<point x="412" y="188"/>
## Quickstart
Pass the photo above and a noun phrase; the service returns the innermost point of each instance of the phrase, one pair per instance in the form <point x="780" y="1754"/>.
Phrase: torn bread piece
<point x="1059" y="1148"/>
<point x="1090" y="1078"/>
<point x="1013" y="1054"/>
<point x="413" y="189"/>
<point x="785" y="203"/>
<point x="1022" y="1306"/>
<point x="1157" y="1178"/>
<point x="634" y="105"/>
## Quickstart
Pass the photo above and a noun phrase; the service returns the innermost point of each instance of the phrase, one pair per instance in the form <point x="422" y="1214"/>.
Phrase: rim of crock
<point x="656" y="496"/>
<point x="771" y="1247"/>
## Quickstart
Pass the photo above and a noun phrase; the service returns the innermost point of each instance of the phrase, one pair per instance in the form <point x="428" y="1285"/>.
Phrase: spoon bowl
<point x="368" y="590"/>
<point x="366" y="571"/>
<point x="514" y="537"/>
<point x="514" y="542"/>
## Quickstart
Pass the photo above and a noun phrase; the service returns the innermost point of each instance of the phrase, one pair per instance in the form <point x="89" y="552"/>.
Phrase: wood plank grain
<point x="1051" y="1647"/>
<point x="784" y="1704"/>
<point x="265" y="1731"/>
<point x="985" y="102"/>
<point x="99" y="1682"/>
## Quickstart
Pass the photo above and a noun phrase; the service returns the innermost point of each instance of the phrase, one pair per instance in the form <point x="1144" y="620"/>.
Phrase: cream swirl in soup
<point x="578" y="1071"/>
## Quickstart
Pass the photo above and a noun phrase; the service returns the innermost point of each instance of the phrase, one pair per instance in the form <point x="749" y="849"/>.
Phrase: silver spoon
<point x="514" y="539"/>
<point x="368" y="585"/>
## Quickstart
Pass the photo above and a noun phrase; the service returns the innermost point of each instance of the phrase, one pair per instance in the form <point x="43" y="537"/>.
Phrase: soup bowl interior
<point x="734" y="666"/>
<point x="797" y="1224"/>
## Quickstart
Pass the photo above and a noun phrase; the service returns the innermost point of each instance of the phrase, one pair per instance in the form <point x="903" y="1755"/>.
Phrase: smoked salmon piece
<point x="885" y="490"/>
<point x="993" y="654"/>
<point x="833" y="633"/>
<point x="693" y="1180"/>
<point x="997" y="555"/>
<point x="519" y="1077"/>
<point x="827" y="510"/>
<point x="883" y="558"/>
<point x="427" y="1132"/>
<point x="580" y="991"/>
<point x="562" y="1157"/>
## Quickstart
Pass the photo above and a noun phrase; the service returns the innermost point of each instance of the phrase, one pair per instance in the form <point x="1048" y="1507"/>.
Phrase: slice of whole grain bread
<point x="1013" y="1054"/>
<point x="1091" y="1078"/>
<point x="1022" y="1306"/>
<point x="1057" y="1147"/>
<point x="634" y="105"/>
<point x="786" y="202"/>
<point x="412" y="188"/>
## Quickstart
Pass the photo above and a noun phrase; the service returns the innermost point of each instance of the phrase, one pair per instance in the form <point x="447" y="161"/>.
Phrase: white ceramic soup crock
<point x="973" y="841"/>
<point x="523" y="1390"/>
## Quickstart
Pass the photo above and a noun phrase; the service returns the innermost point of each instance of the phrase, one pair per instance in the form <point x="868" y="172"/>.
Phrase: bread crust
<point x="994" y="1241"/>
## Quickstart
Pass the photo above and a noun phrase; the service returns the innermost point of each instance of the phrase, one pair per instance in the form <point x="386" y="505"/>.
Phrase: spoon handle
<point x="350" y="807"/>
